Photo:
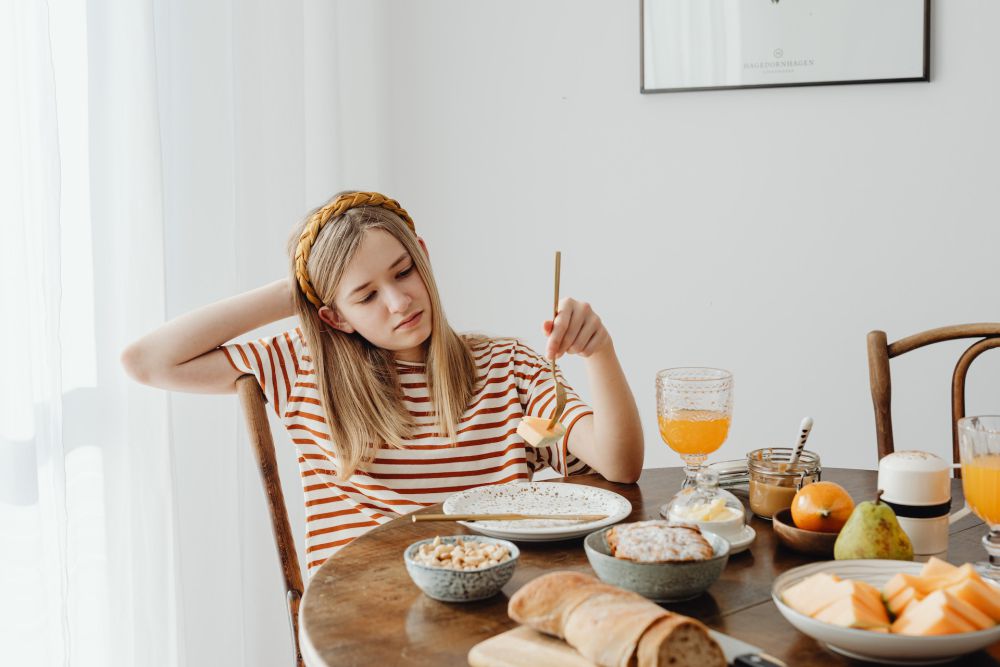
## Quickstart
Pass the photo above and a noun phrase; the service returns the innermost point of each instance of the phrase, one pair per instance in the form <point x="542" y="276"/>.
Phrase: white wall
<point x="765" y="231"/>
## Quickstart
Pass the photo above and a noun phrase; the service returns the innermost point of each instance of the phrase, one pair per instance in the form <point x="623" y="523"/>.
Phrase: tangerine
<point x="822" y="506"/>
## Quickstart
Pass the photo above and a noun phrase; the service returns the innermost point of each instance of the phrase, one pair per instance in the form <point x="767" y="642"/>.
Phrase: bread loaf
<point x="678" y="641"/>
<point x="606" y="627"/>
<point x="657" y="541"/>
<point x="545" y="602"/>
<point x="611" y="626"/>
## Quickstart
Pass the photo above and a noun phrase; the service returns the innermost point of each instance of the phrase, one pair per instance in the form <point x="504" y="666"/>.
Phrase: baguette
<point x="679" y="641"/>
<point x="545" y="602"/>
<point x="611" y="626"/>
<point x="606" y="627"/>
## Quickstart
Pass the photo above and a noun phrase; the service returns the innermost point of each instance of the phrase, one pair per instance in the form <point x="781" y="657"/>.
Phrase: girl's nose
<point x="397" y="300"/>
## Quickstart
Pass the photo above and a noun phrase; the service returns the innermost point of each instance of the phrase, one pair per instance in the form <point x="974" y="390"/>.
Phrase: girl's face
<point x="382" y="297"/>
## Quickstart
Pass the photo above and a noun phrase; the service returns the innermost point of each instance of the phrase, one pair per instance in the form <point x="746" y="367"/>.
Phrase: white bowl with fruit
<point x="890" y="611"/>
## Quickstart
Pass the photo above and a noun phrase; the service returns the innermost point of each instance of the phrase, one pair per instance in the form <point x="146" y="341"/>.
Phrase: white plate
<point x="880" y="647"/>
<point x="743" y="542"/>
<point x="538" y="498"/>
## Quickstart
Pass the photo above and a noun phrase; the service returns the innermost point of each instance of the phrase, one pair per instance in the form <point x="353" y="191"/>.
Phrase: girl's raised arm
<point x="184" y="354"/>
<point x="611" y="440"/>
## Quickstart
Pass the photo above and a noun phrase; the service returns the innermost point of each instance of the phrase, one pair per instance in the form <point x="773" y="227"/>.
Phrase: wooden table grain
<point x="361" y="608"/>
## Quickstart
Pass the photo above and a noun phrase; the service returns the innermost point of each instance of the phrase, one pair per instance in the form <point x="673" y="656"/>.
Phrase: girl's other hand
<point x="576" y="329"/>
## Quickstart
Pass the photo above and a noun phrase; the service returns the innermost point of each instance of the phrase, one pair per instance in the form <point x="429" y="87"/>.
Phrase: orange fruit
<point x="822" y="506"/>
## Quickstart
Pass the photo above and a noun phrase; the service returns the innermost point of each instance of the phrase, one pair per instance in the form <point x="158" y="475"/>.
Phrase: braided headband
<point x="336" y="208"/>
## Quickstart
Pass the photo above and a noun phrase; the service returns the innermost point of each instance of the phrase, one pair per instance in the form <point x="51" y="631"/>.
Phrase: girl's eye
<point x="405" y="272"/>
<point x="367" y="299"/>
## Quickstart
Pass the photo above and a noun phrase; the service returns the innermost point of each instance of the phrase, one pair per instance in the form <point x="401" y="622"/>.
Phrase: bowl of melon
<point x="889" y="611"/>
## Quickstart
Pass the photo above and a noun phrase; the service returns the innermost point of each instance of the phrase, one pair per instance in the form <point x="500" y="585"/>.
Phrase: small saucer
<point x="743" y="542"/>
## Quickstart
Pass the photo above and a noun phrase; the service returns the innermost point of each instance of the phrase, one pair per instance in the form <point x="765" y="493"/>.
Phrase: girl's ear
<point x="333" y="319"/>
<point x="423" y="247"/>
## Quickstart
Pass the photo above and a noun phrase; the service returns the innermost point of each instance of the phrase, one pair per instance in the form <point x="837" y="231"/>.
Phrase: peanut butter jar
<point x="774" y="481"/>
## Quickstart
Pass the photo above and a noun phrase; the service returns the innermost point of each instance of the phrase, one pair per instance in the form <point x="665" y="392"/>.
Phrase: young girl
<point x="389" y="408"/>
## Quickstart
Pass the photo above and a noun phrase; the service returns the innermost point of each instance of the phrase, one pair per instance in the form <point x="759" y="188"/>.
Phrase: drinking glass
<point x="694" y="407"/>
<point x="979" y="449"/>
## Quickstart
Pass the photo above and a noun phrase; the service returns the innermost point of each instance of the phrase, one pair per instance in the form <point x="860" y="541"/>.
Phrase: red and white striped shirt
<point x="513" y="382"/>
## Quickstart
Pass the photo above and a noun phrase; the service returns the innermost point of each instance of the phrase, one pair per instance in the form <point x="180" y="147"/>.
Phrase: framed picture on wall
<point x="718" y="44"/>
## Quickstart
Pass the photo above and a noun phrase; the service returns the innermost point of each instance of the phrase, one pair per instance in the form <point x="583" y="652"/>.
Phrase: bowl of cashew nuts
<point x="461" y="568"/>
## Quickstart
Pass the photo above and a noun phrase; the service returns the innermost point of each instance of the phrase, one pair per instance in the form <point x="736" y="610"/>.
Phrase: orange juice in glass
<point x="694" y="407"/>
<point x="979" y="447"/>
<point x="694" y="431"/>
<point x="981" y="484"/>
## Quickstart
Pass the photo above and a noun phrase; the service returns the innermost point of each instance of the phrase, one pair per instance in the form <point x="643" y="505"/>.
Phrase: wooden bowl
<point x="805" y="541"/>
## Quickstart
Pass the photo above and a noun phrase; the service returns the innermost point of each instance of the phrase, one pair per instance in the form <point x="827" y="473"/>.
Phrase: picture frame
<point x="693" y="45"/>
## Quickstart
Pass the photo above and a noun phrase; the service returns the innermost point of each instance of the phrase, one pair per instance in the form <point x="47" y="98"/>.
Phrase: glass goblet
<point x="694" y="407"/>
<point x="979" y="450"/>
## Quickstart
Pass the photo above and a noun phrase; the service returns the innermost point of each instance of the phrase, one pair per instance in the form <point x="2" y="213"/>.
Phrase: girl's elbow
<point x="631" y="472"/>
<point x="624" y="476"/>
<point x="627" y="473"/>
<point x="134" y="361"/>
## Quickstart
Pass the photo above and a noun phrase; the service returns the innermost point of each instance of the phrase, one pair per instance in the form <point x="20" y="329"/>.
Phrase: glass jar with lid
<point x="774" y="479"/>
<point x="707" y="506"/>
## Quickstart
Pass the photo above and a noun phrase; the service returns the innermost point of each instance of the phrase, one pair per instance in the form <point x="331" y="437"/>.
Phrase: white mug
<point x="917" y="486"/>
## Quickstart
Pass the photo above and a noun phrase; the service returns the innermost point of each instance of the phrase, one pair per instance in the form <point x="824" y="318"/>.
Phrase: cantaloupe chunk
<point x="897" y="603"/>
<point x="964" y="583"/>
<point x="815" y="593"/>
<point x="967" y="571"/>
<point x="901" y="582"/>
<point x="967" y="611"/>
<point x="904" y="589"/>
<point x="812" y="593"/>
<point x="979" y="594"/>
<point x="938" y="621"/>
<point x="867" y="594"/>
<point x="934" y="615"/>
<point x="535" y="432"/>
<point x="854" y="612"/>
<point x="935" y="567"/>
<point x="923" y="585"/>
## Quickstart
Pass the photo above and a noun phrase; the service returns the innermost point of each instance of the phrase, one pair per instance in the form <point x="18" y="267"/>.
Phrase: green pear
<point x="872" y="531"/>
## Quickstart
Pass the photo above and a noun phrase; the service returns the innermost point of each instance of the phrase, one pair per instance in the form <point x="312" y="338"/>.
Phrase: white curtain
<point x="153" y="157"/>
<point x="87" y="548"/>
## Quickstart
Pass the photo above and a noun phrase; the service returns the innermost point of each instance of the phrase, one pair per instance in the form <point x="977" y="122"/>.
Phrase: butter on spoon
<point x="536" y="431"/>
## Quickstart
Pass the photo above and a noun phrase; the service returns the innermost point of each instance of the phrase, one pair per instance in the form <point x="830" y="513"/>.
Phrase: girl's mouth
<point x="411" y="321"/>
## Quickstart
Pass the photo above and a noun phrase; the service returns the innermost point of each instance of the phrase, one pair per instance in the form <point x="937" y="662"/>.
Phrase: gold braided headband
<point x="336" y="208"/>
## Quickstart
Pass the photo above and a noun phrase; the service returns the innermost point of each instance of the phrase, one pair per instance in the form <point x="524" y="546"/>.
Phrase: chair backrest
<point x="880" y="352"/>
<point x="259" y="430"/>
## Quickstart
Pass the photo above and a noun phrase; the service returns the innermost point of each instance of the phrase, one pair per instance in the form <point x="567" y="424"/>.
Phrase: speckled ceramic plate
<point x="886" y="649"/>
<point x="538" y="498"/>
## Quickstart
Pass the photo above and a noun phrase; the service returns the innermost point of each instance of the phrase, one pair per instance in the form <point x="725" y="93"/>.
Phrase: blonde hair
<point x="357" y="380"/>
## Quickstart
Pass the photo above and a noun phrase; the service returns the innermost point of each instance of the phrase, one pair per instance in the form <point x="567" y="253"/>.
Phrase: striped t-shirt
<point x="514" y="381"/>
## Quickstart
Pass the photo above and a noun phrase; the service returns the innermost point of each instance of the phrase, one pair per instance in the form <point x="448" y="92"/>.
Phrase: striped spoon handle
<point x="804" y="430"/>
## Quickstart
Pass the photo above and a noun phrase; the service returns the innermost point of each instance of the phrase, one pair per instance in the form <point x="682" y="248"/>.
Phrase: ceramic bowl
<point x="879" y="647"/>
<point x="662" y="582"/>
<point x="449" y="585"/>
<point x="811" y="542"/>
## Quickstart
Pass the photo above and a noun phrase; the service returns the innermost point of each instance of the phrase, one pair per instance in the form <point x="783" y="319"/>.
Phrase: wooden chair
<point x="259" y="430"/>
<point x="880" y="352"/>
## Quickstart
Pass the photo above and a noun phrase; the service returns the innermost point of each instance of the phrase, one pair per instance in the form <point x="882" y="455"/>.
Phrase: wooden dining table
<point x="361" y="607"/>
